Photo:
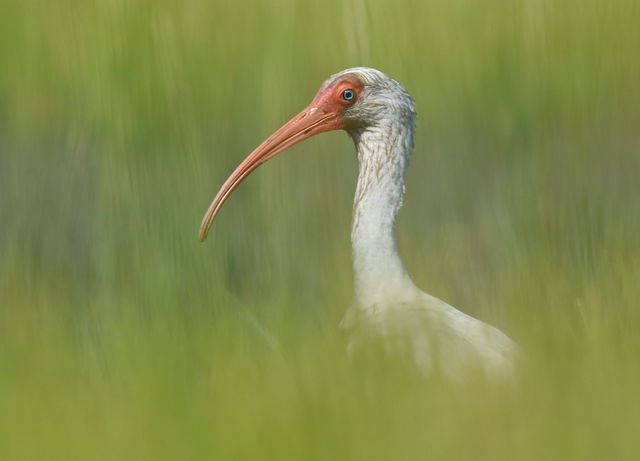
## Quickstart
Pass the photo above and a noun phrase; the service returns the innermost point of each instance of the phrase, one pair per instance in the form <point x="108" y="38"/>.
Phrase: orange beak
<point x="316" y="118"/>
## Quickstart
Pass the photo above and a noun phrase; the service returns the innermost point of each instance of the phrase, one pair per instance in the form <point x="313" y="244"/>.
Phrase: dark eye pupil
<point x="348" y="95"/>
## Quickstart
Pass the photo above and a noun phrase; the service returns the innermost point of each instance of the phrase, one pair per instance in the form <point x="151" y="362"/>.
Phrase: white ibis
<point x="378" y="114"/>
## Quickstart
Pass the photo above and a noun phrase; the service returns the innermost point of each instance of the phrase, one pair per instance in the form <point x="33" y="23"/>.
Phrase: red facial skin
<point x="323" y="114"/>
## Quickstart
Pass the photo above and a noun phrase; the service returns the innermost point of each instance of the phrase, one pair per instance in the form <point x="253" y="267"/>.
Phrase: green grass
<point x="122" y="337"/>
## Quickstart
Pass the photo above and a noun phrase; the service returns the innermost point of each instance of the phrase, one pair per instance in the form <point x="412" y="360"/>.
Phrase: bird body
<point x="378" y="114"/>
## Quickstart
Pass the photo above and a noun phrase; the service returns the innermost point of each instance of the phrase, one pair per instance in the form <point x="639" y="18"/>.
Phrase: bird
<point x="379" y="115"/>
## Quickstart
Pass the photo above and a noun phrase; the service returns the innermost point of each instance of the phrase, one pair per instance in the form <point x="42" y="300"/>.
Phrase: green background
<point x="123" y="337"/>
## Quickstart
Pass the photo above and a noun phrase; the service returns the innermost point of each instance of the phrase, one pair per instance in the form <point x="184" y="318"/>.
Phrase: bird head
<point x="354" y="100"/>
<point x="374" y="99"/>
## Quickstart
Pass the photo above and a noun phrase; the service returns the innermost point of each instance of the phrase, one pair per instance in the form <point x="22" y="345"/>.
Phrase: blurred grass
<point x="122" y="337"/>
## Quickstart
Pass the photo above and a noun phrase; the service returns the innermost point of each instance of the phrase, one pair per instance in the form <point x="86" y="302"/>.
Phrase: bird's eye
<point x="348" y="95"/>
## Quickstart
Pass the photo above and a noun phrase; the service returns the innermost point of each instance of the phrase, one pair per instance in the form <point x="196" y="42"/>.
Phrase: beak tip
<point x="202" y="234"/>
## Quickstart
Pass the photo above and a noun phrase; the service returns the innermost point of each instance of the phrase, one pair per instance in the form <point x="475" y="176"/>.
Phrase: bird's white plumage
<point x="388" y="304"/>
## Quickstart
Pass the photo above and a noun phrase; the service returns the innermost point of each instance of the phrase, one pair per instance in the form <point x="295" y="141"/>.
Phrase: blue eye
<point x="348" y="95"/>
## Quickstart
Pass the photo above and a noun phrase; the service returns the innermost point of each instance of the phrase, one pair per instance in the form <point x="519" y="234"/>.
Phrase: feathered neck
<point x="383" y="154"/>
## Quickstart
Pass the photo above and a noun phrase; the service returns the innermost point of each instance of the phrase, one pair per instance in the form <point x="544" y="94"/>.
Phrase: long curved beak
<point x="309" y="122"/>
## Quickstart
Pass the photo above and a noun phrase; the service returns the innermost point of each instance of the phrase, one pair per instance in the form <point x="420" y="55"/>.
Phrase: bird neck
<point x="383" y="155"/>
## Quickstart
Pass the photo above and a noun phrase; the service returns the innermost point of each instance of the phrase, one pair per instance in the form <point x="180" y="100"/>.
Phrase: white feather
<point x="389" y="306"/>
